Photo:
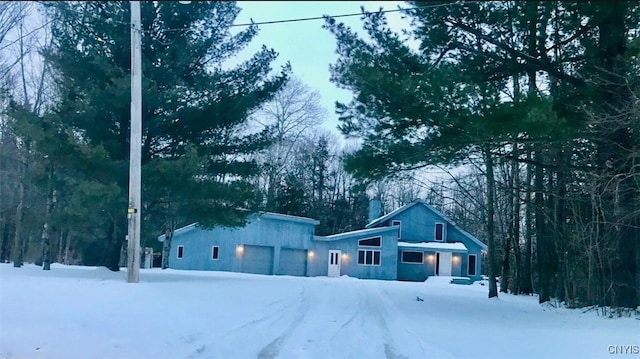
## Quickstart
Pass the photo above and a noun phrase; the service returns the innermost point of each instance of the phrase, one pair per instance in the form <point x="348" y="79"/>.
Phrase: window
<point x="399" y="224"/>
<point x="214" y="252"/>
<point x="368" y="257"/>
<point x="472" y="264"/>
<point x="180" y="252"/>
<point x="439" y="232"/>
<point x="412" y="257"/>
<point x="370" y="242"/>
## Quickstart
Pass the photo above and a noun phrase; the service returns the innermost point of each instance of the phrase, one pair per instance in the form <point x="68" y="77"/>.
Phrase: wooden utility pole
<point x="135" y="149"/>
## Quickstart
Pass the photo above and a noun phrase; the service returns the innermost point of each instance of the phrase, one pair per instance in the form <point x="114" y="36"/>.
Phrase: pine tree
<point x="190" y="101"/>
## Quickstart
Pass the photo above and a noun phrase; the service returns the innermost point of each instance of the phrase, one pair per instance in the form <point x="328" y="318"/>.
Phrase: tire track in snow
<point x="272" y="349"/>
<point x="268" y="319"/>
<point x="398" y="326"/>
<point x="390" y="348"/>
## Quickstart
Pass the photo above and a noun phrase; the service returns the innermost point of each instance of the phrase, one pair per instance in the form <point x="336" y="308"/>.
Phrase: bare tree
<point x="292" y="112"/>
<point x="23" y="37"/>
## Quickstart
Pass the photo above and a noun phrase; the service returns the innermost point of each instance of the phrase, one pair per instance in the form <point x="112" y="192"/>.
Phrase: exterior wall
<point x="418" y="225"/>
<point x="319" y="263"/>
<point x="420" y="271"/>
<point x="261" y="231"/>
<point x="304" y="254"/>
<point x="415" y="271"/>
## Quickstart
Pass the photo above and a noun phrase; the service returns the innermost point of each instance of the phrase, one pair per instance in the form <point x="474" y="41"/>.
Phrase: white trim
<point x="212" y="253"/>
<point x="421" y="257"/>
<point x="455" y="246"/>
<point x="350" y="235"/>
<point x="435" y="230"/>
<point x="365" y="250"/>
<point x="178" y="252"/>
<point x="397" y="222"/>
<point x="475" y="266"/>
<point x="367" y="246"/>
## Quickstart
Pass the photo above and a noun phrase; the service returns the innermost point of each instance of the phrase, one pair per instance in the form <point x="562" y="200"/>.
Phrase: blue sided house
<point x="411" y="243"/>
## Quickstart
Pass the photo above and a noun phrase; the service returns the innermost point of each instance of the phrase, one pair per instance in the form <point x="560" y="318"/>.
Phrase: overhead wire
<point x="363" y="12"/>
<point x="252" y="23"/>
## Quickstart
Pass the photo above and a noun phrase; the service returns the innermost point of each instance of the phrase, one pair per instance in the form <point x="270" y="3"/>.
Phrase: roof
<point x="419" y="201"/>
<point x="287" y="217"/>
<point x="457" y="246"/>
<point x="335" y="237"/>
<point x="270" y="215"/>
<point x="179" y="230"/>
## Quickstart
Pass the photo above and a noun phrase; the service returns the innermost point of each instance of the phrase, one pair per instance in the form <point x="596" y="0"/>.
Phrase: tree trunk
<point x="62" y="238"/>
<point x="67" y="248"/>
<point x="46" y="244"/>
<point x="18" y="242"/>
<point x="112" y="255"/>
<point x="166" y="245"/>
<point x="515" y="169"/>
<point x="541" y="241"/>
<point x="491" y="189"/>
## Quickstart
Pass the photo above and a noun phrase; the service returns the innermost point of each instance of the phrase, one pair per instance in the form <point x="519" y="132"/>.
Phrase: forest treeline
<point x="529" y="111"/>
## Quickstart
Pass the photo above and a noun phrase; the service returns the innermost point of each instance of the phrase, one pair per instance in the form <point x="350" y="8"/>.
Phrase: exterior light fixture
<point x="310" y="254"/>
<point x="430" y="258"/>
<point x="239" y="249"/>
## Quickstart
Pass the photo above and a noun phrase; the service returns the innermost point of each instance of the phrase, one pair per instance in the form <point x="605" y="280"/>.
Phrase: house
<point x="410" y="243"/>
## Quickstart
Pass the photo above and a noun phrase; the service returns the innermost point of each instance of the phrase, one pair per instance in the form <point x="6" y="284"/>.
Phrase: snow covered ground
<point x="88" y="312"/>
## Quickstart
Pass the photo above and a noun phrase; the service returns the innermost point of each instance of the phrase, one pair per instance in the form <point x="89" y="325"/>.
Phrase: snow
<point x="90" y="312"/>
<point x="458" y="246"/>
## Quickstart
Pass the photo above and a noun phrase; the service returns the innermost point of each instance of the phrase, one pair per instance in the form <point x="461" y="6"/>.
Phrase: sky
<point x="306" y="45"/>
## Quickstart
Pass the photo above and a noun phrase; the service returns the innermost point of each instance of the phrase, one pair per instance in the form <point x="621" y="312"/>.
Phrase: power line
<point x="320" y="17"/>
<point x="339" y="15"/>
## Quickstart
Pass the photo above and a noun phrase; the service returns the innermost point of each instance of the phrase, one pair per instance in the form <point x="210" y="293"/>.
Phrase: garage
<point x="293" y="262"/>
<point x="257" y="259"/>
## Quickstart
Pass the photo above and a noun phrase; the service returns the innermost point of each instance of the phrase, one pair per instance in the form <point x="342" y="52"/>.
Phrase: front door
<point x="334" y="263"/>
<point x="444" y="264"/>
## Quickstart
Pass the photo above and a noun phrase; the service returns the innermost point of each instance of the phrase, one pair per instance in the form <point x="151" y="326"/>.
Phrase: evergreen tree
<point x="192" y="106"/>
<point x="461" y="95"/>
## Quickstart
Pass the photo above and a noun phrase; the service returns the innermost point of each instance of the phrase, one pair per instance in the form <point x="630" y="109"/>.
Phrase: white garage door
<point x="257" y="260"/>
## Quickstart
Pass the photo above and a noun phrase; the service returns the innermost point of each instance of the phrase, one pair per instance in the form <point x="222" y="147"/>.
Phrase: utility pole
<point x="135" y="148"/>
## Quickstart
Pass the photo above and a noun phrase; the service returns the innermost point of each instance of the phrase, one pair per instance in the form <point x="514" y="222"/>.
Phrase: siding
<point x="387" y="269"/>
<point x="260" y="231"/>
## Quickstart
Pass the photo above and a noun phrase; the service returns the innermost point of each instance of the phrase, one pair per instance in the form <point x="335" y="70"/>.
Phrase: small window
<point x="412" y="257"/>
<point x="399" y="224"/>
<point x="368" y="257"/>
<point x="180" y="252"/>
<point x="472" y="264"/>
<point x="370" y="242"/>
<point x="214" y="252"/>
<point x="439" y="235"/>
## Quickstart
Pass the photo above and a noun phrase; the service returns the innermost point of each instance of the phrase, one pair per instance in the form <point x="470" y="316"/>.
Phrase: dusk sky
<point x="306" y="45"/>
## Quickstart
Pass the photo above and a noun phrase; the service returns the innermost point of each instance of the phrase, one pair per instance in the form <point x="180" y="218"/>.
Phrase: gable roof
<point x="261" y="214"/>
<point x="397" y="211"/>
